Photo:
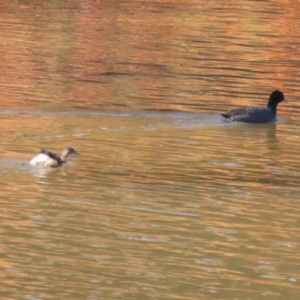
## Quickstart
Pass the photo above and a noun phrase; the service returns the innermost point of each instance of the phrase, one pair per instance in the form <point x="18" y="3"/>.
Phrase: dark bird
<point x="257" y="114"/>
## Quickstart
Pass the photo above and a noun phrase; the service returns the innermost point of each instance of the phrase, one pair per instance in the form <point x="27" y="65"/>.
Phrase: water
<point x="166" y="200"/>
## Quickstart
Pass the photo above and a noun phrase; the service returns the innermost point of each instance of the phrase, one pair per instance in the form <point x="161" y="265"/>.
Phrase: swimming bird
<point x="49" y="159"/>
<point x="257" y="114"/>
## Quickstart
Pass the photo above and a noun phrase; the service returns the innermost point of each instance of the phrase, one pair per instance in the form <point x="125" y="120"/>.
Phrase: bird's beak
<point x="285" y="100"/>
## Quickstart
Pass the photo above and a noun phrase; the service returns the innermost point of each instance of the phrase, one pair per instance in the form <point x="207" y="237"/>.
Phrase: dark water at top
<point x="166" y="200"/>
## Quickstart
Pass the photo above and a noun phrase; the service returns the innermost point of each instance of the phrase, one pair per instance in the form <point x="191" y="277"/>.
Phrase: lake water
<point x="166" y="200"/>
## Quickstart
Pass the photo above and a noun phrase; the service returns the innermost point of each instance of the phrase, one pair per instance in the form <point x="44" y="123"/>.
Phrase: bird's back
<point x="47" y="159"/>
<point x="250" y="115"/>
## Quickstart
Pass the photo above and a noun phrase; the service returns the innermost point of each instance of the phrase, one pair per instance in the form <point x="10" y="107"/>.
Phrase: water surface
<point x="166" y="200"/>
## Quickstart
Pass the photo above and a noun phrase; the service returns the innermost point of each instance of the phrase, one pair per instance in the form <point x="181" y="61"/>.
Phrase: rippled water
<point x="166" y="200"/>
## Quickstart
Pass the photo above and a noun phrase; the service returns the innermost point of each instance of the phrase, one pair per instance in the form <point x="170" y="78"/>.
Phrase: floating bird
<point x="257" y="114"/>
<point x="49" y="159"/>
